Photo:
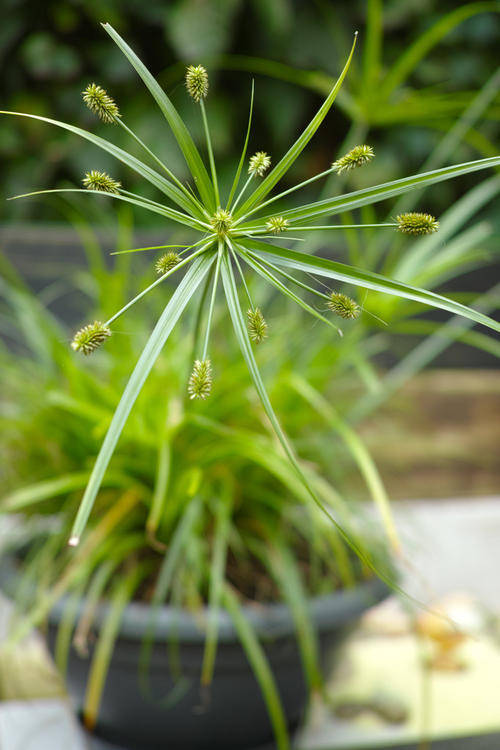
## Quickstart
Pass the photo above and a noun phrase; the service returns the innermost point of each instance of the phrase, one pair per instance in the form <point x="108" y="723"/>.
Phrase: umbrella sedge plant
<point x="230" y="236"/>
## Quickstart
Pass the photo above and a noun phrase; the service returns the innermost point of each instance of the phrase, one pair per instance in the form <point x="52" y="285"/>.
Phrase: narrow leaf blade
<point x="150" y="353"/>
<point x="366" y="279"/>
<point x="291" y="155"/>
<point x="180" y="131"/>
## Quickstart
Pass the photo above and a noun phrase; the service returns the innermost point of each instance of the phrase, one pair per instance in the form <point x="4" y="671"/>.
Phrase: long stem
<point x="172" y="176"/>
<point x="210" y="153"/>
<point x="212" y="301"/>
<point x="288" y="276"/>
<point x="163" y="247"/>
<point x="240" y="194"/>
<point x="257" y="230"/>
<point x="155" y="283"/>
<point x="151" y="202"/>
<point x="238" y="264"/>
<point x="285" y="192"/>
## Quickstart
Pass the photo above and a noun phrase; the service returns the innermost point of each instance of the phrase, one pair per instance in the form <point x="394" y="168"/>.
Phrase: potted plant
<point x="210" y="508"/>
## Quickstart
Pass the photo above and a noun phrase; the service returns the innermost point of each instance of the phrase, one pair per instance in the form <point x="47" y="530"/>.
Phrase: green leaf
<point x="426" y="41"/>
<point x="284" y="568"/>
<point x="150" y="353"/>
<point x="51" y="488"/>
<point x="266" y="274"/>
<point x="261" y="668"/>
<point x="122" y="594"/>
<point x="243" y="153"/>
<point x="366" y="279"/>
<point x="180" y="131"/>
<point x="332" y="206"/>
<point x="358" y="451"/>
<point x="216" y="577"/>
<point x="291" y="155"/>
<point x="138" y="166"/>
<point x="157" y="208"/>
<point x="421" y="355"/>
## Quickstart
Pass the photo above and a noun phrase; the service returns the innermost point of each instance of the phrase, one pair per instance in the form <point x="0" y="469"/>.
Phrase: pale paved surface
<point x="450" y="546"/>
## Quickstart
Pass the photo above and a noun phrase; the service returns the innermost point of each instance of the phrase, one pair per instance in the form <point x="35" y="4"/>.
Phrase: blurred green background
<point x="418" y="65"/>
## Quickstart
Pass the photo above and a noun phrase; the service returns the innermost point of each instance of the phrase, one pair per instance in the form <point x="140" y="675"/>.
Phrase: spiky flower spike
<point x="356" y="157"/>
<point x="197" y="82"/>
<point x="166" y="262"/>
<point x="277" y="224"/>
<point x="96" y="99"/>
<point x="221" y="221"/>
<point x="90" y="337"/>
<point x="257" y="326"/>
<point x="259" y="163"/>
<point x="95" y="180"/>
<point x="200" y="381"/>
<point x="416" y="224"/>
<point x="343" y="305"/>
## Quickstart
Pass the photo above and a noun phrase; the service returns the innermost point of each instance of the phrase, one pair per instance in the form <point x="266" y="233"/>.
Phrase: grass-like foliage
<point x="229" y="235"/>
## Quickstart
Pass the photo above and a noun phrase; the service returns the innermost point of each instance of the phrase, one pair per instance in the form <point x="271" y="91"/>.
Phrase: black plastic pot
<point x="171" y="710"/>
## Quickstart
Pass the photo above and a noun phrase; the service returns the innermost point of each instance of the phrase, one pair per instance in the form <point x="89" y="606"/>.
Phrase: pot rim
<point x="270" y="620"/>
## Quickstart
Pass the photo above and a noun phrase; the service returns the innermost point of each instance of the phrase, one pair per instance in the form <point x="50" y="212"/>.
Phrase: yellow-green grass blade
<point x="358" y="450"/>
<point x="260" y="665"/>
<point x="348" y="201"/>
<point x="150" y="353"/>
<point x="366" y="279"/>
<point x="288" y="159"/>
<point x="179" y="129"/>
<point x="410" y="58"/>
<point x="138" y="166"/>
<point x="243" y="153"/>
<point x="157" y="208"/>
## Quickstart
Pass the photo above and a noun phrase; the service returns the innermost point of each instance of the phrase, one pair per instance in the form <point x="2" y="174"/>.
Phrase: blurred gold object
<point x="450" y="622"/>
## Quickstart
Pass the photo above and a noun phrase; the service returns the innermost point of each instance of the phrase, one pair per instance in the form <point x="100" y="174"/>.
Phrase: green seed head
<point x="277" y="224"/>
<point x="356" y="157"/>
<point x="343" y="305"/>
<point x="200" y="381"/>
<point x="90" y="337"/>
<point x="95" y="180"/>
<point x="221" y="221"/>
<point x="99" y="102"/>
<point x="257" y="326"/>
<point x="197" y="82"/>
<point x="166" y="262"/>
<point x="259" y="163"/>
<point x="416" y="224"/>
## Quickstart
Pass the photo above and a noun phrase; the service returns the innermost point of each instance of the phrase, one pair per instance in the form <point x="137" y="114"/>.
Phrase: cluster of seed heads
<point x="221" y="221"/>
<point x="277" y="224"/>
<point x="200" y="380"/>
<point x="97" y="100"/>
<point x="343" y="306"/>
<point x="416" y="224"/>
<point x="356" y="157"/>
<point x="259" y="163"/>
<point x="95" y="180"/>
<point x="166" y="262"/>
<point x="90" y="337"/>
<point x="257" y="326"/>
<point x="197" y="82"/>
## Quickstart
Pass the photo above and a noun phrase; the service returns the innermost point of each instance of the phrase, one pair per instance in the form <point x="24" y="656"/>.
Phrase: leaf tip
<point x="73" y="541"/>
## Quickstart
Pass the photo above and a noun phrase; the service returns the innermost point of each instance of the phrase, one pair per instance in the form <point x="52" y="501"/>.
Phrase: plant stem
<point x="155" y="283"/>
<point x="236" y="260"/>
<point x="285" y="192"/>
<point x="240" y="194"/>
<point x="210" y="153"/>
<point x="174" y="179"/>
<point x="212" y="301"/>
